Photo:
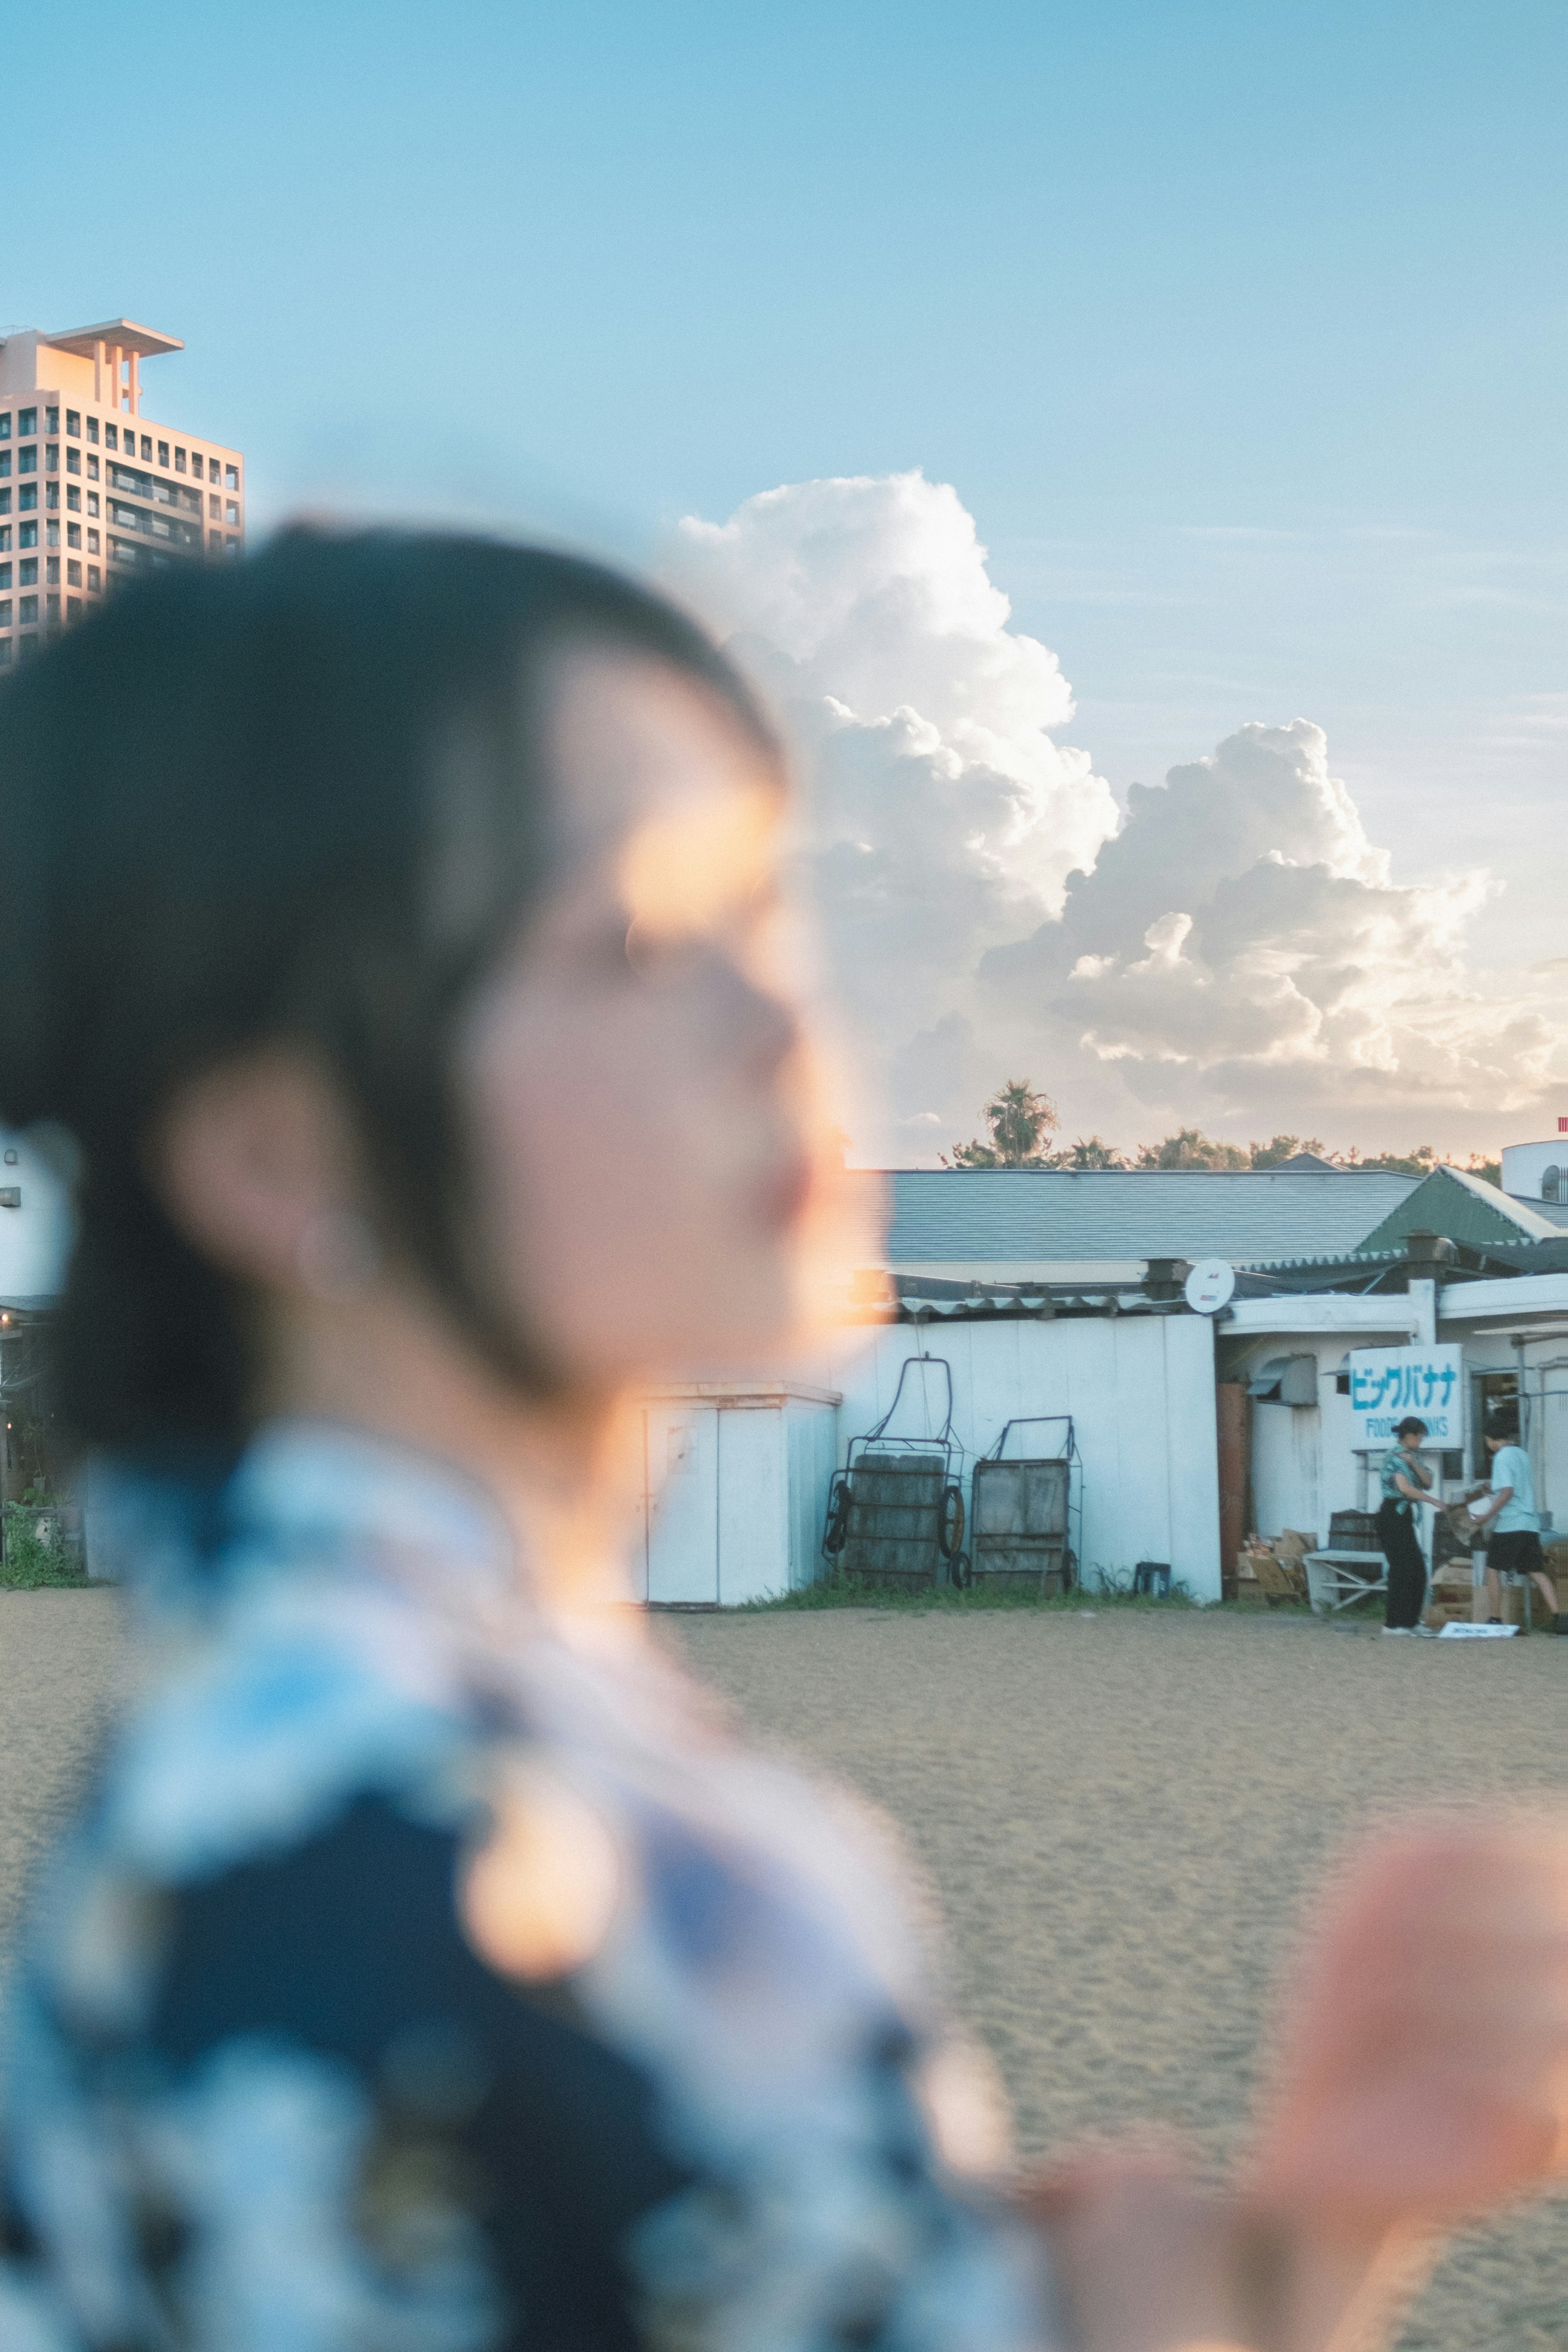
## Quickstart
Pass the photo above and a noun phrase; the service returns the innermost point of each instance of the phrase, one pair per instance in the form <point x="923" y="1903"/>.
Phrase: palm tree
<point x="1020" y="1120"/>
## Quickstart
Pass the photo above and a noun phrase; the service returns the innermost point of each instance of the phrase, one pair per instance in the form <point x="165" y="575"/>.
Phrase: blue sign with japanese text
<point x="1389" y="1385"/>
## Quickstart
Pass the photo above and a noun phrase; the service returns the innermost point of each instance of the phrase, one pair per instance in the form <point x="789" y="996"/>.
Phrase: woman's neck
<point x="564" y="1471"/>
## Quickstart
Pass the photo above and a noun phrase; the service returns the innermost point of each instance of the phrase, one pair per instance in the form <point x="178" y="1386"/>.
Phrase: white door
<point x="682" y="1502"/>
<point x="754" y="1526"/>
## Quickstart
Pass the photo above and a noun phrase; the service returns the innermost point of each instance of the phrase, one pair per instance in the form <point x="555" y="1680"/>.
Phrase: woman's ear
<point x="248" y="1158"/>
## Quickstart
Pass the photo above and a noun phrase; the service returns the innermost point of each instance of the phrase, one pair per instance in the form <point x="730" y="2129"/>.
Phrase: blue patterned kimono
<point x="424" y="1978"/>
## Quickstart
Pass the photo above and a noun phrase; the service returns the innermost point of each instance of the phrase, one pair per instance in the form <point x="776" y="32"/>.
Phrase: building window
<point x="4" y="583"/>
<point x="231" y="512"/>
<point x="52" y="608"/>
<point x="231" y="547"/>
<point x="1552" y="1184"/>
<point x="73" y="534"/>
<point x="73" y="461"/>
<point x="52" y="494"/>
<point x="73" y="424"/>
<point x="52" y="457"/>
<point x="164" y="454"/>
<point x="5" y="654"/>
<point x="92" y="502"/>
<point x="28" y="460"/>
<point x="27" y="609"/>
<point x="231" y="478"/>
<point x="28" y="535"/>
<point x="179" y="461"/>
<point x="51" y="534"/>
<point x="6" y="612"/>
<point x="147" y="447"/>
<point x="92" y="469"/>
<point x="27" y="498"/>
<point x="52" y="570"/>
<point x="51" y="420"/>
<point x="94" y="578"/>
<point x="73" y="497"/>
<point x="73" y="608"/>
<point x="92" y="543"/>
<point x="4" y="501"/>
<point x="93" y="428"/>
<point x="73" y="575"/>
<point x="215" y="540"/>
<point x="28" y="572"/>
<point x="5" y="425"/>
<point x="4" y="464"/>
<point x="6" y="540"/>
<point x="27" y="424"/>
<point x="112" y="436"/>
<point x="215" y="508"/>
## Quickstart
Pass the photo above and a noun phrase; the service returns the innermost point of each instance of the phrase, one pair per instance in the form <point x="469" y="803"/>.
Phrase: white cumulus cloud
<point x="941" y="817"/>
<point x="1235" y="951"/>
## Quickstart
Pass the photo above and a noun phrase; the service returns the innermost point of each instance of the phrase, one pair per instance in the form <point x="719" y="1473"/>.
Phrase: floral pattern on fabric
<point x="283" y="2074"/>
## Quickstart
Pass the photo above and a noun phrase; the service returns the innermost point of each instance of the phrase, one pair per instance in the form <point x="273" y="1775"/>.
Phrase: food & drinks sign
<point x="1390" y="1384"/>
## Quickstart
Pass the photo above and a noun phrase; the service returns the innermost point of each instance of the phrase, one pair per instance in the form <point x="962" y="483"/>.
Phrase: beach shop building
<point x="1017" y="1297"/>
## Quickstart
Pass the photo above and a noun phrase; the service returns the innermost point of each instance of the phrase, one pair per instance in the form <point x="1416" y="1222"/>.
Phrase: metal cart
<point x="1022" y="1522"/>
<point x="895" y="1511"/>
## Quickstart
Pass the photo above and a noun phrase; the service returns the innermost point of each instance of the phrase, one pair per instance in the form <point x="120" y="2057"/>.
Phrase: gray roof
<point x="1028" y="1215"/>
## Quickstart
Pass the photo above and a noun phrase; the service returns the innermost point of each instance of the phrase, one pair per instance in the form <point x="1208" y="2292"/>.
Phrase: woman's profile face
<point x="653" y="1189"/>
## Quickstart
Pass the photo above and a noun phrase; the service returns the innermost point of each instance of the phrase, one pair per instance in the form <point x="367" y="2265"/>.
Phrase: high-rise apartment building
<point x="93" y="493"/>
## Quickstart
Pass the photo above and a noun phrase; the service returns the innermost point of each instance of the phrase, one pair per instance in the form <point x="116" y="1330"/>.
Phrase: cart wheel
<point x="949" y="1532"/>
<point x="960" y="1572"/>
<point x="835" y="1534"/>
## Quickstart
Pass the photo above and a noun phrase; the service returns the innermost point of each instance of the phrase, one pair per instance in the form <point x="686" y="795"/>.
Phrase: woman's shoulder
<point x="295" y="1693"/>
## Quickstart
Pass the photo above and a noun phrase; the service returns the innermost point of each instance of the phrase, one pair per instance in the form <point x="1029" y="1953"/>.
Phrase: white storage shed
<point x="735" y="1479"/>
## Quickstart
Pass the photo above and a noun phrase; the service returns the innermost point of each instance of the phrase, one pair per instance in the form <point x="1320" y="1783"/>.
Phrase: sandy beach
<point x="1121" y="1816"/>
<point x="60" y="1668"/>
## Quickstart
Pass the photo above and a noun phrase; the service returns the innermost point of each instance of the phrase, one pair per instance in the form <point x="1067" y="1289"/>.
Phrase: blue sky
<point x="1241" y="330"/>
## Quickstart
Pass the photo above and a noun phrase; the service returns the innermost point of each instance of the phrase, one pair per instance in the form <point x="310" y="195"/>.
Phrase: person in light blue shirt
<point x="1512" y="1521"/>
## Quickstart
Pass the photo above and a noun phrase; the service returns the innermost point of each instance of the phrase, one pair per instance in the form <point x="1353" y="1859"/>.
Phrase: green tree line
<point x="1022" y="1122"/>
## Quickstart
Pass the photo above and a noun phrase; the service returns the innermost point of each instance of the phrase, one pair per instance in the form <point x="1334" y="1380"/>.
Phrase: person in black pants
<point x="1406" y="1483"/>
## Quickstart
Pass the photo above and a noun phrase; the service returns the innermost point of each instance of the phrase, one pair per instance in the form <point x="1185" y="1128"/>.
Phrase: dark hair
<point x="298" y="797"/>
<point x="1403" y="1428"/>
<point x="1502" y="1423"/>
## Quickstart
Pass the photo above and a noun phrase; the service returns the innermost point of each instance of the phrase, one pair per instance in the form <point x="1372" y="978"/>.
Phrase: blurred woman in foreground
<point x="391" y="923"/>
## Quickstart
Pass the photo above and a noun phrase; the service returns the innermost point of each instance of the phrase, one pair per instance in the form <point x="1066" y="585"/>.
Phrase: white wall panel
<point x="753" y="1529"/>
<point x="683" y="1503"/>
<point x="1140" y="1390"/>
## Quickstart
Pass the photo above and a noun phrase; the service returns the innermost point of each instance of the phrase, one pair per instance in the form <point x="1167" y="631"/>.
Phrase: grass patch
<point x="30" y="1564"/>
<point x="852" y="1592"/>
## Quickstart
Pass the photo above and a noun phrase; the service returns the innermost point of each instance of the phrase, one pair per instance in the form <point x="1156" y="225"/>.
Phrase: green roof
<point x="1463" y="1207"/>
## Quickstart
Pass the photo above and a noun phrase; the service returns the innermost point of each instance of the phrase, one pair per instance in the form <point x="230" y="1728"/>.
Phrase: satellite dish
<point x="1210" y="1285"/>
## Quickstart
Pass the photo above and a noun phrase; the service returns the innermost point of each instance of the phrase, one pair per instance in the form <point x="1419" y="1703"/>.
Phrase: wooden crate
<point x="895" y="1519"/>
<point x="1018" y="1524"/>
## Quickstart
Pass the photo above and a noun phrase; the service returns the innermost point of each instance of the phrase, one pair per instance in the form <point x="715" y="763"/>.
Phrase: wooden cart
<point x="1020" y="1513"/>
<point x="895" y="1511"/>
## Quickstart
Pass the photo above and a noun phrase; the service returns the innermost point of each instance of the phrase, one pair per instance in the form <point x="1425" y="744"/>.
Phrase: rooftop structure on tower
<point x="93" y="493"/>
